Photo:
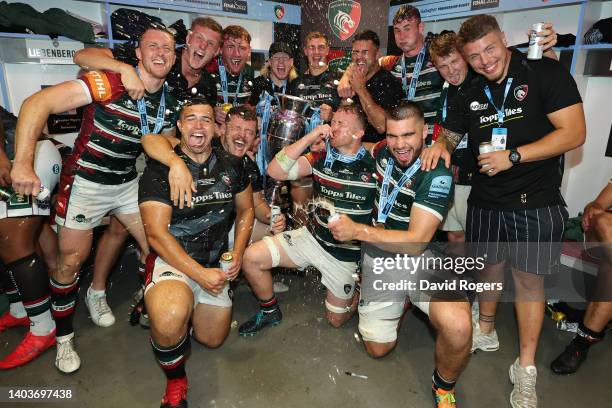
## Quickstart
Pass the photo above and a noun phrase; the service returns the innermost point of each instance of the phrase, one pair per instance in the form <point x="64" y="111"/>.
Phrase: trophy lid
<point x="293" y="103"/>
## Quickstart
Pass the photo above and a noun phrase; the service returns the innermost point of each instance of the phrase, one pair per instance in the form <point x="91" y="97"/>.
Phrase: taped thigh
<point x="378" y="321"/>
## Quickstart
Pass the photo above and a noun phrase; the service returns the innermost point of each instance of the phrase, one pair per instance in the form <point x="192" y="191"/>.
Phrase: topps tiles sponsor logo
<point x="493" y="118"/>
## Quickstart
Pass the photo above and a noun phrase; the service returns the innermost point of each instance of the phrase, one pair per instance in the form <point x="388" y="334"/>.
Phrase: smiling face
<point x="197" y="126"/>
<point x="405" y="139"/>
<point x="316" y="51"/>
<point x="408" y="34"/>
<point x="240" y="135"/>
<point x="453" y="68"/>
<point x="364" y="55"/>
<point x="346" y="130"/>
<point x="280" y="65"/>
<point x="488" y="55"/>
<point x="203" y="45"/>
<point x="156" y="52"/>
<point x="235" y="53"/>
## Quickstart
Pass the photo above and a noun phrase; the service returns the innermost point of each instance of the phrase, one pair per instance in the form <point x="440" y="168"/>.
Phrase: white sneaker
<point x="524" y="379"/>
<point x="67" y="360"/>
<point x="101" y="313"/>
<point x="280" y="287"/>
<point x="482" y="341"/>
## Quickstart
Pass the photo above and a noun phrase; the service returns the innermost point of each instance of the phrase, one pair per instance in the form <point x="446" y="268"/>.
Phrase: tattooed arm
<point x="442" y="149"/>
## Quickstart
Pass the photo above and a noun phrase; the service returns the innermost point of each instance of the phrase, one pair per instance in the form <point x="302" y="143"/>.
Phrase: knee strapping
<point x="274" y="251"/>
<point x="337" y="309"/>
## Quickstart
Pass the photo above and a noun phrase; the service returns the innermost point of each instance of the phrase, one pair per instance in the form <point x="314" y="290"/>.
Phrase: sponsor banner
<point x="235" y="6"/>
<point x="484" y="4"/>
<point x="436" y="9"/>
<point x="258" y="10"/>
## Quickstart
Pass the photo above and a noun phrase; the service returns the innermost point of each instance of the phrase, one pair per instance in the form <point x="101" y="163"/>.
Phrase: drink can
<point x="275" y="211"/>
<point x="535" y="50"/>
<point x="43" y="194"/>
<point x="486" y="147"/>
<point x="226" y="261"/>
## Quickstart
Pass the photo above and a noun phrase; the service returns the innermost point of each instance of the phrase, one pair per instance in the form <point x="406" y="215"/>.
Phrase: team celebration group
<point x="392" y="152"/>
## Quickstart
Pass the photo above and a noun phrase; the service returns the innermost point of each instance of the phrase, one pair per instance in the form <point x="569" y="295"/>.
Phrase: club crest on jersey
<point x="343" y="17"/>
<point x="365" y="177"/>
<point x="520" y="92"/>
<point x="226" y="180"/>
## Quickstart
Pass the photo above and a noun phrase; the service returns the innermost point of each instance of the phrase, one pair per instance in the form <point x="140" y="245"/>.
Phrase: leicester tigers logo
<point x="344" y="17"/>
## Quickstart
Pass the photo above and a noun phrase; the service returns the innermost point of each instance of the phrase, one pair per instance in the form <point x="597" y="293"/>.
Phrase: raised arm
<point x="103" y="59"/>
<point x="33" y="116"/>
<point x="289" y="164"/>
<point x="375" y="113"/>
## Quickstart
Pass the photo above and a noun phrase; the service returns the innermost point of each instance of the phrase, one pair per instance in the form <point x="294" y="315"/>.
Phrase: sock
<point x="29" y="274"/>
<point x="172" y="359"/>
<point x="16" y="306"/>
<point x="63" y="303"/>
<point x="270" y="305"/>
<point x="95" y="293"/>
<point x="440" y="382"/>
<point x="586" y="337"/>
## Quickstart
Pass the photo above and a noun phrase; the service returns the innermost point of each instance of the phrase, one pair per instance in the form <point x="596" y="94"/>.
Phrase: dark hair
<point x="196" y="100"/>
<point x="406" y="12"/>
<point x="356" y="110"/>
<point x="236" y="31"/>
<point x="157" y="27"/>
<point x="476" y="27"/>
<point x="443" y="45"/>
<point x="406" y="110"/>
<point x="207" y="22"/>
<point x="367" y="35"/>
<point x="316" y="34"/>
<point x="243" y="111"/>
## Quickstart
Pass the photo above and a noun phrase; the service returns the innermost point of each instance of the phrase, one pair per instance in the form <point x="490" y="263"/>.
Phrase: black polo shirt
<point x="201" y="229"/>
<point x="539" y="87"/>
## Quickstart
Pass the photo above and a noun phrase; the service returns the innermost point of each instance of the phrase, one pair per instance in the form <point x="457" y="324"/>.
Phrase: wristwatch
<point x="515" y="157"/>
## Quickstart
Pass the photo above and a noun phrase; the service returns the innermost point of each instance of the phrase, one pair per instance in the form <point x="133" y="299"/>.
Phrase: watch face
<point x="514" y="157"/>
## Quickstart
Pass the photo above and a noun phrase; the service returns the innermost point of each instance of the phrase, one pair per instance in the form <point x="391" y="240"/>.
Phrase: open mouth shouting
<point x="197" y="140"/>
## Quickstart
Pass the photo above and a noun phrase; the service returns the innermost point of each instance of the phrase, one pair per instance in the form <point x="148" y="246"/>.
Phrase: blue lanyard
<point x="386" y="201"/>
<point x="161" y="110"/>
<point x="224" y="90"/>
<point x="500" y="110"/>
<point x="416" y="71"/>
<point x="332" y="154"/>
<point x="314" y="120"/>
<point x="263" y="110"/>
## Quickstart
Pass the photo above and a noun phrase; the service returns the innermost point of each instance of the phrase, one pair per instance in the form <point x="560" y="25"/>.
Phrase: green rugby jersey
<point x="108" y="144"/>
<point x="429" y="83"/>
<point x="235" y="96"/>
<point x="351" y="188"/>
<point x="431" y="191"/>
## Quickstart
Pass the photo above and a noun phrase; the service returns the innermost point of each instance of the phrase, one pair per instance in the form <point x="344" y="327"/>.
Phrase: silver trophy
<point x="287" y="126"/>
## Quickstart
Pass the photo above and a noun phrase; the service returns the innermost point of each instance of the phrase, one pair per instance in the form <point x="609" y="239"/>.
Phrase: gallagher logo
<point x="279" y="12"/>
<point x="344" y="17"/>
